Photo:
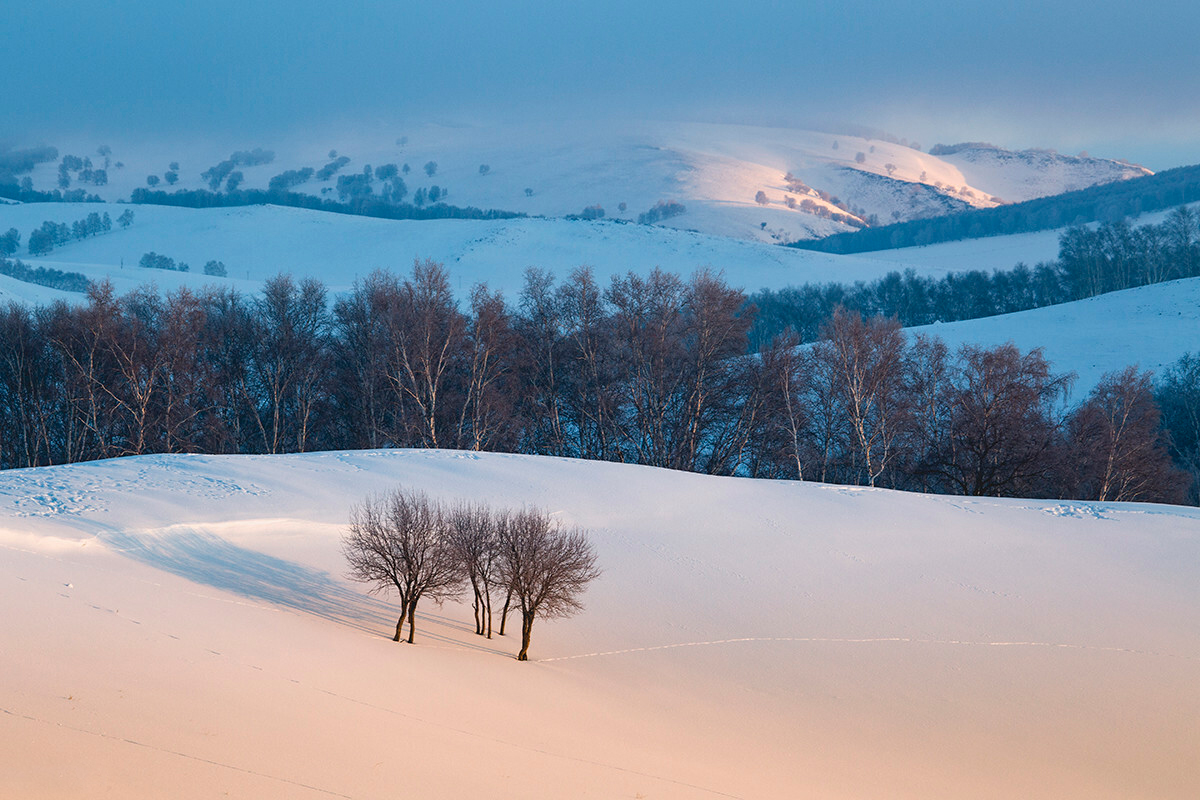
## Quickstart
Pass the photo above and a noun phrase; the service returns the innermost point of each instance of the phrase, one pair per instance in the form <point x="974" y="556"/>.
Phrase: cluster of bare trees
<point x="649" y="369"/>
<point x="419" y="548"/>
<point x="863" y="405"/>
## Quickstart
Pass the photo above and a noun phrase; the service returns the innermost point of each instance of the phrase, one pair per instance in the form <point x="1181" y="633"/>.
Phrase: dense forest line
<point x="363" y="206"/>
<point x="648" y="370"/>
<point x="1091" y="261"/>
<point x="1103" y="203"/>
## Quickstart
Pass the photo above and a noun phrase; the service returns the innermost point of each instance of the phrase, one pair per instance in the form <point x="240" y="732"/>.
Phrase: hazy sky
<point x="1115" y="78"/>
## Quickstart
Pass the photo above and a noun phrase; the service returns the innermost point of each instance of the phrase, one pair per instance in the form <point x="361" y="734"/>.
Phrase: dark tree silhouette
<point x="1003" y="438"/>
<point x="400" y="542"/>
<point x="1115" y="437"/>
<point x="546" y="566"/>
<point x="474" y="533"/>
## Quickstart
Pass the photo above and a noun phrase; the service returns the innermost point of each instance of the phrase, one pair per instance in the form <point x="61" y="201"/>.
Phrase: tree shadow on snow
<point x="207" y="559"/>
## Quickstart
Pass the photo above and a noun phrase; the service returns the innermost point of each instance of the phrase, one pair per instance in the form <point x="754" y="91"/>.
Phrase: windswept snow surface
<point x="179" y="626"/>
<point x="1151" y="327"/>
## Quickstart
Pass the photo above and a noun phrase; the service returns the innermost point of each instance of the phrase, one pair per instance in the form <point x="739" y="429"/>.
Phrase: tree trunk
<point x="487" y="608"/>
<point x="526" y="630"/>
<point x="399" y="626"/>
<point x="504" y="613"/>
<point x="477" y="608"/>
<point x="412" y="625"/>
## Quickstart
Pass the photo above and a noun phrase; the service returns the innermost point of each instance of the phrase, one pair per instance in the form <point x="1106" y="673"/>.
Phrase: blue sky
<point x="1112" y="78"/>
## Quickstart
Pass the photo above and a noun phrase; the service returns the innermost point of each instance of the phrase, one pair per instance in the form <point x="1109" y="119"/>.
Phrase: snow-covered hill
<point x="179" y="626"/>
<point x="1024" y="175"/>
<point x="1151" y="326"/>
<point x="257" y="242"/>
<point x="715" y="171"/>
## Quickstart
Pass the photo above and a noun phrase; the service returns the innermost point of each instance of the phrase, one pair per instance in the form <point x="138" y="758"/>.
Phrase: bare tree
<point x="788" y="371"/>
<point x="589" y="348"/>
<point x="474" y="533"/>
<point x="866" y="359"/>
<point x="1118" y="444"/>
<point x="486" y="419"/>
<point x="399" y="541"/>
<point x="426" y="339"/>
<point x="546" y="566"/>
<point x="287" y="367"/>
<point x="540" y="329"/>
<point x="1179" y="397"/>
<point x="1003" y="437"/>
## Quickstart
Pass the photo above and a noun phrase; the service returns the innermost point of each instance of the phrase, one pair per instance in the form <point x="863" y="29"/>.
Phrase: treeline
<point x="1106" y="202"/>
<point x="55" y="234"/>
<point x="25" y="193"/>
<point x="648" y="370"/>
<point x="363" y="206"/>
<point x="1091" y="261"/>
<point x="44" y="276"/>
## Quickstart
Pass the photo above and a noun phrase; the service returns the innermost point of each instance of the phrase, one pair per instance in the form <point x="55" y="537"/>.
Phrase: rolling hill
<point x="716" y="171"/>
<point x="178" y="625"/>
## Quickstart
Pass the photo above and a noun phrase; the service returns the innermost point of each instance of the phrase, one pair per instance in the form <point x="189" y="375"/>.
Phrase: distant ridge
<point x="1101" y="203"/>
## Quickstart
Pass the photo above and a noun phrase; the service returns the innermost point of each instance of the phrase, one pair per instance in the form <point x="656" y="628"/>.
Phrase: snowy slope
<point x="178" y="626"/>
<point x="715" y="170"/>
<point x="1024" y="175"/>
<point x="1151" y="326"/>
<point x="257" y="242"/>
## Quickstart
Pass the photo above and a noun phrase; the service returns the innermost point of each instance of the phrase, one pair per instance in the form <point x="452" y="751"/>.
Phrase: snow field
<point x="180" y="625"/>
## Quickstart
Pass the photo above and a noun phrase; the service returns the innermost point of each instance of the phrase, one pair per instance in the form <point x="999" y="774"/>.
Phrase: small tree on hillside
<point x="474" y="533"/>
<point x="546" y="566"/>
<point x="399" y="541"/>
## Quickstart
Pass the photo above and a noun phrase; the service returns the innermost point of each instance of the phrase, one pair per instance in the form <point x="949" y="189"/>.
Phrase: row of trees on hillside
<point x="1103" y="203"/>
<point x="366" y="205"/>
<point x="45" y="276"/>
<point x="423" y="549"/>
<point x="55" y="234"/>
<point x="1091" y="261"/>
<point x="648" y="369"/>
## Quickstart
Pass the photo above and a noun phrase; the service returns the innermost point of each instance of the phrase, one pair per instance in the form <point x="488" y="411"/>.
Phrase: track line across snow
<point x="871" y="640"/>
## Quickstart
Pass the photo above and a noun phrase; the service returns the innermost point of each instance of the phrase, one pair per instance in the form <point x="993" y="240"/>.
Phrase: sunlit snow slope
<point x="558" y="168"/>
<point x="178" y="626"/>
